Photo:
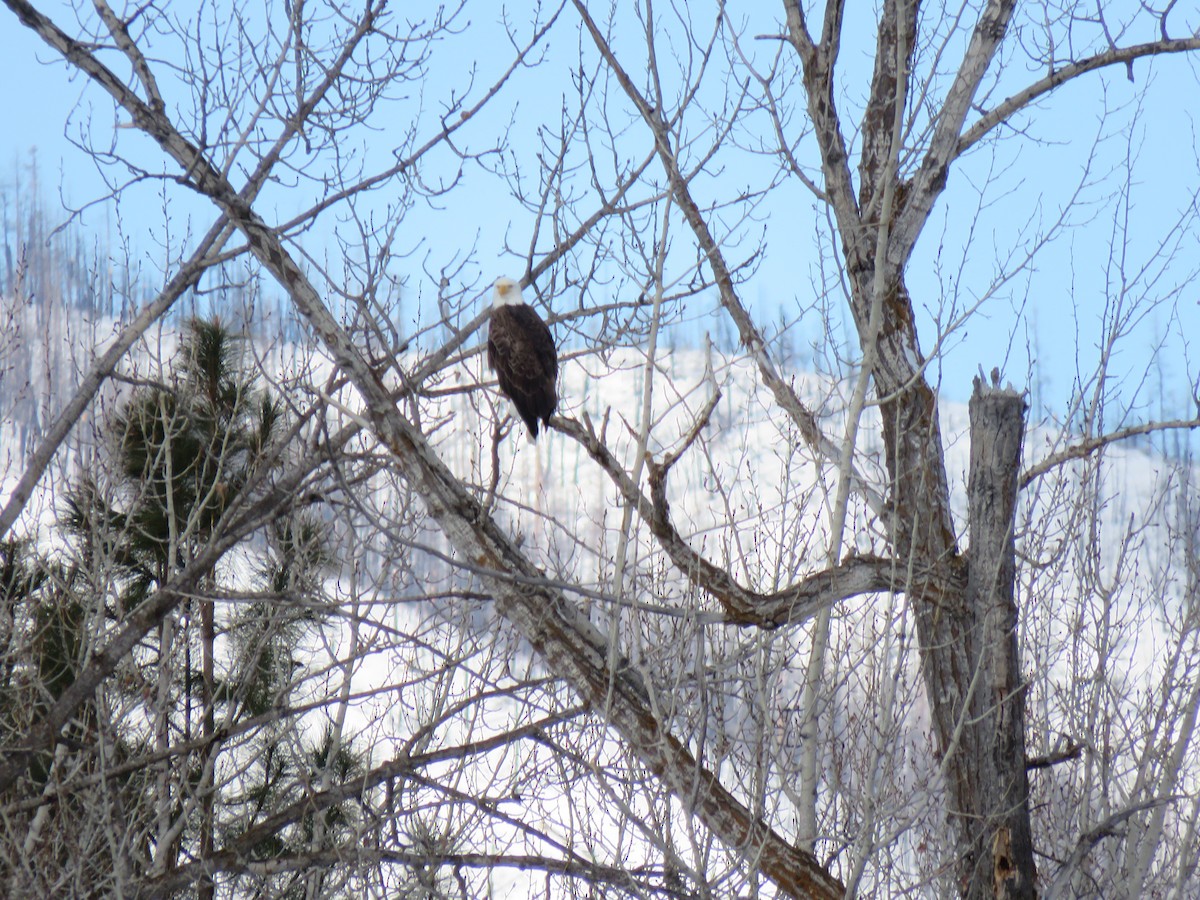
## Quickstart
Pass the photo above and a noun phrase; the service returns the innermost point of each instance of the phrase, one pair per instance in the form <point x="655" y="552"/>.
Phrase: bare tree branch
<point x="1087" y="447"/>
<point x="1108" y="828"/>
<point x="1023" y="98"/>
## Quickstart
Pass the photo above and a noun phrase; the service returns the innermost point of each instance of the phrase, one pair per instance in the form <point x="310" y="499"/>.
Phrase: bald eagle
<point x="522" y="353"/>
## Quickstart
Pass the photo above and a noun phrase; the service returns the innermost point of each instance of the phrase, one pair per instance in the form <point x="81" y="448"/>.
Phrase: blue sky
<point x="1051" y="313"/>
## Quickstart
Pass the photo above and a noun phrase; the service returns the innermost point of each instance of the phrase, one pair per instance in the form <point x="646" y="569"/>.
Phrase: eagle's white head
<point x="507" y="293"/>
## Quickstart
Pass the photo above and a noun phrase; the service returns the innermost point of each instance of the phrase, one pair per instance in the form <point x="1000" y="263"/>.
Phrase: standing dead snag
<point x="989" y="794"/>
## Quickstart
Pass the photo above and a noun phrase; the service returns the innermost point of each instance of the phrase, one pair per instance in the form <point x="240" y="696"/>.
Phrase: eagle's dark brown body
<point x="521" y="352"/>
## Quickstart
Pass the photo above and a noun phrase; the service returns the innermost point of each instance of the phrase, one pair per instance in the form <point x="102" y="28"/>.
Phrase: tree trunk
<point x="208" y="637"/>
<point x="985" y="750"/>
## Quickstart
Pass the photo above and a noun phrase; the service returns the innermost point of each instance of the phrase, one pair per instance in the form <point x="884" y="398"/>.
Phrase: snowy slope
<point x="1096" y="608"/>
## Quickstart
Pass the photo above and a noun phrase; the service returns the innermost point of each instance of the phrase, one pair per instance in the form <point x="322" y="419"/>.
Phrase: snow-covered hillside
<point x="418" y="664"/>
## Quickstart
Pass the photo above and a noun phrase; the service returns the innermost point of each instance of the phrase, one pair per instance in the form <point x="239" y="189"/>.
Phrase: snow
<point x="1108" y="612"/>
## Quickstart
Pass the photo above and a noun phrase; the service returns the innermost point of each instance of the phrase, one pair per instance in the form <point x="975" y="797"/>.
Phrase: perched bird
<point x="521" y="352"/>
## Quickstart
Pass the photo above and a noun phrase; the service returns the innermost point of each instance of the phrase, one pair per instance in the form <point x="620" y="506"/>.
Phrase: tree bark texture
<point x="988" y="784"/>
<point x="963" y="603"/>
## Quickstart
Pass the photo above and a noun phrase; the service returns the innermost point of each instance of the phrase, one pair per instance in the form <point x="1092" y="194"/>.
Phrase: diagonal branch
<point x="134" y="627"/>
<point x="189" y="273"/>
<point x="120" y="32"/>
<point x="206" y="254"/>
<point x="1088" y="840"/>
<point x="817" y="66"/>
<point x="561" y="634"/>
<point x="748" y="333"/>
<point x="930" y="179"/>
<point x="793" y="605"/>
<point x="1087" y="447"/>
<point x="1018" y="101"/>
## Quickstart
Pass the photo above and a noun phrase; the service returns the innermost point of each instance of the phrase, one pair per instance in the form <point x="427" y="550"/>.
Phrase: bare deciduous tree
<point x="755" y="639"/>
